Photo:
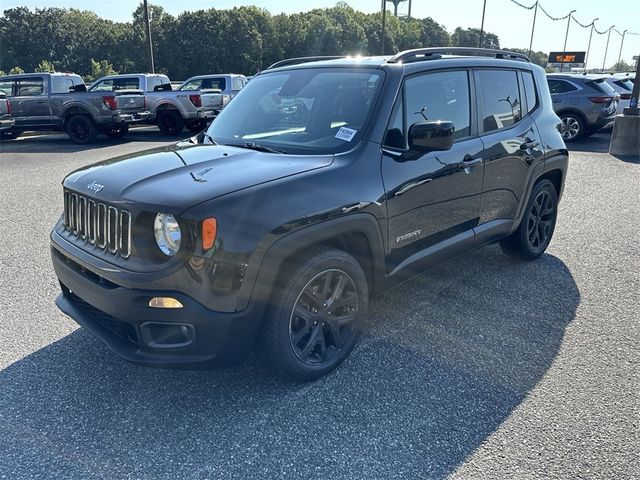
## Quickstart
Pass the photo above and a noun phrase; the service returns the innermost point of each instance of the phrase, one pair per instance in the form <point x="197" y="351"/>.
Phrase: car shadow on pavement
<point x="58" y="142"/>
<point x="445" y="360"/>
<point x="596" y="143"/>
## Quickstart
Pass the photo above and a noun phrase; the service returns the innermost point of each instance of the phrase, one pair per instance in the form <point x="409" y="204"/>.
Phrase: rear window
<point x="601" y="86"/>
<point x="204" y="84"/>
<point x="626" y="83"/>
<point x="111" y="84"/>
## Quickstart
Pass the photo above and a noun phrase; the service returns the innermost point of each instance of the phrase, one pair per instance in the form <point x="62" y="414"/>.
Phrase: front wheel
<point x="316" y="314"/>
<point x="116" y="130"/>
<point x="538" y="223"/>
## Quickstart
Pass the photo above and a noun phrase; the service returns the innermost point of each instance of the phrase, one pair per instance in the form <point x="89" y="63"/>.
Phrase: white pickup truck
<point x="192" y="105"/>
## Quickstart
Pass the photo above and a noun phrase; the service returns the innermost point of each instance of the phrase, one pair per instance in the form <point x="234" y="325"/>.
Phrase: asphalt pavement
<point x="483" y="368"/>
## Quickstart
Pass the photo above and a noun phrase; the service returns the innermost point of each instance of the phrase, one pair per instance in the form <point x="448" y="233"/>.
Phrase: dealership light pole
<point x="593" y="25"/>
<point x="566" y="36"/>
<point x="147" y="27"/>
<point x="604" y="60"/>
<point x="620" y="54"/>
<point x="484" y="7"/>
<point x="533" y="27"/>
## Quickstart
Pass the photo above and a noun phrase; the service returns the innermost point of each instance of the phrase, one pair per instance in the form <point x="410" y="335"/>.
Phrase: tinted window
<point x="6" y="86"/>
<point x="27" y="87"/>
<point x="602" y="86"/>
<point x="395" y="130"/>
<point x="439" y="96"/>
<point x="530" y="91"/>
<point x="560" y="86"/>
<point x="499" y="98"/>
<point x="626" y="83"/>
<point x="63" y="84"/>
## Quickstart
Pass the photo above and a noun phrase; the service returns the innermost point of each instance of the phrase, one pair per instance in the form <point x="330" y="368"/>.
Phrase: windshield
<point x="305" y="111"/>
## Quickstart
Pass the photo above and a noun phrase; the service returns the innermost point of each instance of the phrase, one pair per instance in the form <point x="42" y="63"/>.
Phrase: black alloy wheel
<point x="170" y="122"/>
<point x="81" y="129"/>
<point x="540" y="220"/>
<point x="323" y="317"/>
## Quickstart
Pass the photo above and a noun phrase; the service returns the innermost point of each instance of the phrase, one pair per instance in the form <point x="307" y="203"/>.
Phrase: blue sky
<point x="511" y="22"/>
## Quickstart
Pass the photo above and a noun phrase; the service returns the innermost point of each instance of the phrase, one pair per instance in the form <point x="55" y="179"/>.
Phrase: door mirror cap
<point x="431" y="135"/>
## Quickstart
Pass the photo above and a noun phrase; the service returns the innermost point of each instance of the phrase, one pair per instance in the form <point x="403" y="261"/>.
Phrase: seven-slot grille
<point x="101" y="225"/>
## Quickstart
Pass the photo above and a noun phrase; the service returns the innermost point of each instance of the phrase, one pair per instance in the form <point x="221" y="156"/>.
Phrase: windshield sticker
<point x="346" y="134"/>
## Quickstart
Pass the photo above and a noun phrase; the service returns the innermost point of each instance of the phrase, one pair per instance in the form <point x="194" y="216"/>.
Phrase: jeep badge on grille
<point x="96" y="187"/>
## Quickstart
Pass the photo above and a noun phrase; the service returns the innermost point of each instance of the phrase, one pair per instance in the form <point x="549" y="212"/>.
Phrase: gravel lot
<point x="483" y="368"/>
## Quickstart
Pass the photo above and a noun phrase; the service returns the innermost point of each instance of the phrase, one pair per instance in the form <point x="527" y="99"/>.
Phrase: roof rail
<point x="295" y="61"/>
<point x="422" y="54"/>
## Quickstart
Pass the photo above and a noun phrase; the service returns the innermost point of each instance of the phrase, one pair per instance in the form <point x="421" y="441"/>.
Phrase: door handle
<point x="469" y="161"/>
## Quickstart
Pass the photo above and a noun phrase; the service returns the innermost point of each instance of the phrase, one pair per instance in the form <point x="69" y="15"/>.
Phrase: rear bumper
<point x="603" y="122"/>
<point x="188" y="337"/>
<point x="121" y="117"/>
<point x="7" y="124"/>
<point x="206" y="114"/>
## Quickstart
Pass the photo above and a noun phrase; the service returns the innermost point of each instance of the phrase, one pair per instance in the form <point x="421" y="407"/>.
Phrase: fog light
<point x="164" y="302"/>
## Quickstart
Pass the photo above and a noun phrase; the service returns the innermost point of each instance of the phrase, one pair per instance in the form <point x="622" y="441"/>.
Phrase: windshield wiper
<point x="209" y="137"/>
<point x="254" y="146"/>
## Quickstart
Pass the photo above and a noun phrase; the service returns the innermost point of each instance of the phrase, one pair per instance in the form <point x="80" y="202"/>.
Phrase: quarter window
<point x="499" y="98"/>
<point x="530" y="91"/>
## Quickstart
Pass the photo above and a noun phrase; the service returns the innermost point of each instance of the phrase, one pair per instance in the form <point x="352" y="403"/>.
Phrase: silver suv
<point x="585" y="103"/>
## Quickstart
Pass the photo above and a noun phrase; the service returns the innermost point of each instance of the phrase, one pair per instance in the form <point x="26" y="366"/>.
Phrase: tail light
<point x="9" y="106"/>
<point x="110" y="102"/>
<point x="601" y="99"/>
<point x="625" y="96"/>
<point x="196" y="100"/>
<point x="209" y="232"/>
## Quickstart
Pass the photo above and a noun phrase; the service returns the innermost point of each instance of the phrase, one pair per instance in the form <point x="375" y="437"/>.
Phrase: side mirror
<point x="431" y="135"/>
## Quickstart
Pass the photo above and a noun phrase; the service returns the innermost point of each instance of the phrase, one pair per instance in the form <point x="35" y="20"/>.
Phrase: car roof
<point x="578" y="76"/>
<point x="53" y="74"/>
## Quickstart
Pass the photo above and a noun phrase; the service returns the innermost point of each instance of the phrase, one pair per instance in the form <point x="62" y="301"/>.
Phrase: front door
<point x="433" y="199"/>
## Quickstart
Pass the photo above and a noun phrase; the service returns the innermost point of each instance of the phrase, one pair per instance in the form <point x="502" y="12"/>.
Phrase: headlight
<point x="167" y="233"/>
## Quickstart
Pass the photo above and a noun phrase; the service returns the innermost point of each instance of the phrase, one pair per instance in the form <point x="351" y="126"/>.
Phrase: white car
<point x="624" y="86"/>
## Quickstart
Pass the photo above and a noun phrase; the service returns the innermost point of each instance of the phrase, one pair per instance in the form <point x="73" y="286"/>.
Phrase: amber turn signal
<point x="164" y="302"/>
<point x="209" y="232"/>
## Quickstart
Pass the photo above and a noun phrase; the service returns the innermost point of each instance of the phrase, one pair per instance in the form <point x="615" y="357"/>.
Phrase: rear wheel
<point x="81" y="129"/>
<point x="319" y="305"/>
<point x="116" y="130"/>
<point x="533" y="235"/>
<point x="572" y="127"/>
<point x="170" y="122"/>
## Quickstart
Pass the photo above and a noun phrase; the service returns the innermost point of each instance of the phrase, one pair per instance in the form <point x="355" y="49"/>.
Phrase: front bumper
<point x="122" y="319"/>
<point x="7" y="123"/>
<point x="122" y="117"/>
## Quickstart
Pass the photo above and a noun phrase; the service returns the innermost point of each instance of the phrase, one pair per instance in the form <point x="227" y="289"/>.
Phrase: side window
<point x="61" y="84"/>
<point x="6" y="86"/>
<point x="237" y="83"/>
<point x="153" y="82"/>
<point x="30" y="87"/>
<point x="530" y="91"/>
<point x="431" y="96"/>
<point x="499" y="98"/>
<point x="560" y="86"/>
<point x="103" y="86"/>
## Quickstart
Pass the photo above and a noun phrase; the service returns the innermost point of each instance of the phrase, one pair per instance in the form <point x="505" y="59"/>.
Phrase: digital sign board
<point x="566" y="57"/>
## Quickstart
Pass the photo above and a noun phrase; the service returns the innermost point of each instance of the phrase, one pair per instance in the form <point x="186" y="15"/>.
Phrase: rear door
<point x="30" y="105"/>
<point x="434" y="198"/>
<point x="511" y="144"/>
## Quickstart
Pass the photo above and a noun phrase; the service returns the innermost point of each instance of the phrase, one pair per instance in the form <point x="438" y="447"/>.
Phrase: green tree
<point x="470" y="37"/>
<point x="99" y="69"/>
<point x="15" y="71"/>
<point x="45" y="66"/>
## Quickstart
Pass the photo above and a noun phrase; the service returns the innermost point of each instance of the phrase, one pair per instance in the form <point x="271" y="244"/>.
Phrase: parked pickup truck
<point x="6" y="122"/>
<point x="170" y="110"/>
<point x="227" y="84"/>
<point x="59" y="101"/>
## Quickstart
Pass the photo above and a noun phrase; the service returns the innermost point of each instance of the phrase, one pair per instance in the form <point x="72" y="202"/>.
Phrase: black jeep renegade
<point x="325" y="181"/>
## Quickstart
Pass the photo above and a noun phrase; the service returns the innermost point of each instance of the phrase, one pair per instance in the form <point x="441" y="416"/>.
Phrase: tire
<point x="170" y="122"/>
<point x="81" y="129"/>
<point x="538" y="223"/>
<point x="10" y="135"/>
<point x="315" y="317"/>
<point x="116" y="131"/>
<point x="573" y="127"/>
<point x="198" y="126"/>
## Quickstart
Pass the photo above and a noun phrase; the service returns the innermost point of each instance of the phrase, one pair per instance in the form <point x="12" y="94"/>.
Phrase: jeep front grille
<point x="102" y="226"/>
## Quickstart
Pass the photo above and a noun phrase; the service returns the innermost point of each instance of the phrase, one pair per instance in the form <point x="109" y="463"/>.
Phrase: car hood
<point x="175" y="178"/>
